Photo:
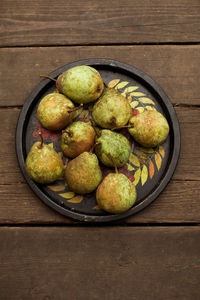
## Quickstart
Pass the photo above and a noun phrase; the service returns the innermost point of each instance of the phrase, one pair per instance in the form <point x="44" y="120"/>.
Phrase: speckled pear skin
<point x="82" y="84"/>
<point x="53" y="111"/>
<point x="44" y="165"/>
<point x="83" y="173"/>
<point x="114" y="144"/>
<point x="80" y="138"/>
<point x="150" y="128"/>
<point x="116" y="194"/>
<point x="111" y="110"/>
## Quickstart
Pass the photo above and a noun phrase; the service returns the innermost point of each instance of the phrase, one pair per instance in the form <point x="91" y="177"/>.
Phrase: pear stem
<point x="98" y="134"/>
<point x="113" y="161"/>
<point x="75" y="108"/>
<point x="46" y="76"/>
<point x="42" y="140"/>
<point x="105" y="84"/>
<point x="121" y="127"/>
<point x="95" y="144"/>
<point x="70" y="134"/>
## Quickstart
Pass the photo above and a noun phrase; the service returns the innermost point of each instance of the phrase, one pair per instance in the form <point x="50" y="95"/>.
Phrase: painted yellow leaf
<point x="51" y="145"/>
<point x="77" y="112"/>
<point x="134" y="104"/>
<point x="144" y="174"/>
<point x="121" y="85"/>
<point x="134" y="160"/>
<point x="84" y="114"/>
<point x="56" y="188"/>
<point x="140" y="109"/>
<point x="137" y="175"/>
<point x="137" y="94"/>
<point x="146" y="100"/>
<point x="151" y="169"/>
<point x="129" y="90"/>
<point x="147" y="150"/>
<point x="113" y="82"/>
<point x="148" y="107"/>
<point x="162" y="151"/>
<point x="67" y="195"/>
<point x="96" y="207"/>
<point x="129" y="167"/>
<point x="158" y="160"/>
<point x="76" y="199"/>
<point x="142" y="157"/>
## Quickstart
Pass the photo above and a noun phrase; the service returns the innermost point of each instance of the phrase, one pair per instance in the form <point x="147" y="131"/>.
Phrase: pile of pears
<point x="83" y="85"/>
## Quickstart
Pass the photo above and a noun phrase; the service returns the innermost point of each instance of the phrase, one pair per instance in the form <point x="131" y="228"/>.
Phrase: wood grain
<point x="178" y="203"/>
<point x="98" y="22"/>
<point x="174" y="68"/>
<point x="84" y="263"/>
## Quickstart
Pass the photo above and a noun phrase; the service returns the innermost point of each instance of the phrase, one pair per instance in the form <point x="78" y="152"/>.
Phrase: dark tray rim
<point x="174" y="154"/>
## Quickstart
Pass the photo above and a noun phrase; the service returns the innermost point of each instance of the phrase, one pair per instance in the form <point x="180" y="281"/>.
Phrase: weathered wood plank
<point x="174" y="68"/>
<point x="178" y="203"/>
<point x="92" y="22"/>
<point x="84" y="263"/>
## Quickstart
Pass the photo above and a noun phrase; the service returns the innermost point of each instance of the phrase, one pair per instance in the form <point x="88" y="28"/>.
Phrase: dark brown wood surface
<point x="174" y="68"/>
<point x="100" y="263"/>
<point x="152" y="255"/>
<point x="98" y="22"/>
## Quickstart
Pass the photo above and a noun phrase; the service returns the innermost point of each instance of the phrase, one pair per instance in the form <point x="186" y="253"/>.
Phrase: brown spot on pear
<point x="111" y="110"/>
<point x="44" y="164"/>
<point x="78" y="137"/>
<point x="54" y="111"/>
<point x="82" y="84"/>
<point x="149" y="128"/>
<point x="116" y="194"/>
<point x="83" y="173"/>
<point x="115" y="144"/>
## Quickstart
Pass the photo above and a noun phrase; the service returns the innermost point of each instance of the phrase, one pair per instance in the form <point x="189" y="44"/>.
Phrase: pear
<point x="82" y="84"/>
<point x="55" y="111"/>
<point x="44" y="164"/>
<point x="149" y="128"/>
<point x="116" y="194"/>
<point x="83" y="173"/>
<point x="111" y="110"/>
<point x="115" y="144"/>
<point x="78" y="137"/>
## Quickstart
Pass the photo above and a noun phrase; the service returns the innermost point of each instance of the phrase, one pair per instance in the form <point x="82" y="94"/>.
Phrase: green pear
<point x="78" y="137"/>
<point x="149" y="128"/>
<point x="83" y="173"/>
<point x="111" y="110"/>
<point x="55" y="111"/>
<point x="44" y="164"/>
<point x="114" y="144"/>
<point x="116" y="194"/>
<point x="82" y="84"/>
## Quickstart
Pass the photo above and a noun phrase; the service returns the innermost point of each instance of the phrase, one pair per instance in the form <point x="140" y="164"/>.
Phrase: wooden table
<point x="152" y="255"/>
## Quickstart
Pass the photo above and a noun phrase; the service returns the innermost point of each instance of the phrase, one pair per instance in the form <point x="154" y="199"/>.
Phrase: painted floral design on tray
<point x="143" y="163"/>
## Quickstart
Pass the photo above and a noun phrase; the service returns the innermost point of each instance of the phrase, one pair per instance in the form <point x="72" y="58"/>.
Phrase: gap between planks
<point x="114" y="224"/>
<point x="104" y="44"/>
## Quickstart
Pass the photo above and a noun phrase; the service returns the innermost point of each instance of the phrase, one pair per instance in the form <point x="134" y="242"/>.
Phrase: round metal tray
<point x="149" y="169"/>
